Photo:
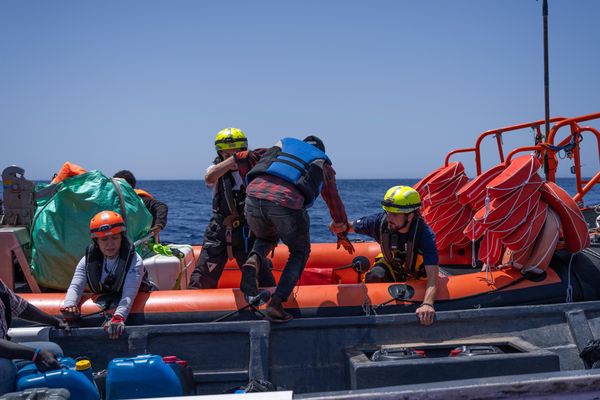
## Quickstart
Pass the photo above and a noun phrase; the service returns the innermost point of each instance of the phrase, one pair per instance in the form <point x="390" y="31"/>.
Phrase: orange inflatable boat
<point x="507" y="237"/>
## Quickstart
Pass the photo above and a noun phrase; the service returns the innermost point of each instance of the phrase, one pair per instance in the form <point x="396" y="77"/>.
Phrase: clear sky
<point x="391" y="86"/>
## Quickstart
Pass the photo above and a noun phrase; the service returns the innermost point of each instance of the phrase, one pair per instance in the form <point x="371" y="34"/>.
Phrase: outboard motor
<point x="18" y="201"/>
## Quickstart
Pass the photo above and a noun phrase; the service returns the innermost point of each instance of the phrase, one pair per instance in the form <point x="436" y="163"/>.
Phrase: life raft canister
<point x="296" y="162"/>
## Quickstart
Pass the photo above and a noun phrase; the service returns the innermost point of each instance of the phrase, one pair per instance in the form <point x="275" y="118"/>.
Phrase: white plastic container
<point x="170" y="273"/>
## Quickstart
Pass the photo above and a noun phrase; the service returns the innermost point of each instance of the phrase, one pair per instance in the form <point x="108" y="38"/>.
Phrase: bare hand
<point x="344" y="242"/>
<point x="425" y="314"/>
<point x="46" y="361"/>
<point x="70" y="313"/>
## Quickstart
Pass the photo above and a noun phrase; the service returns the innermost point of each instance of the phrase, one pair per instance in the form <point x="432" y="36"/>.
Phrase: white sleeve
<point x="77" y="285"/>
<point x="210" y="185"/>
<point x="131" y="286"/>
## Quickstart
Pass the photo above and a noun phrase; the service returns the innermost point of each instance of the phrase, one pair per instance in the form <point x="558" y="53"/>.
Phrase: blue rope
<point x="245" y="234"/>
<point x="567" y="148"/>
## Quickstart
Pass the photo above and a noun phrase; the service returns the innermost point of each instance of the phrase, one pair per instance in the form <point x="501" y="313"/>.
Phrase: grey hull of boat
<point x="331" y="358"/>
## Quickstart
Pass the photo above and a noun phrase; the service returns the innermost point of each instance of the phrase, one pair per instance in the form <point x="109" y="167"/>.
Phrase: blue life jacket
<point x="296" y="162"/>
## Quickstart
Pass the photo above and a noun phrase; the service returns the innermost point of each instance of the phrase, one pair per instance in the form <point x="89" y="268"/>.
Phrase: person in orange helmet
<point x="110" y="265"/>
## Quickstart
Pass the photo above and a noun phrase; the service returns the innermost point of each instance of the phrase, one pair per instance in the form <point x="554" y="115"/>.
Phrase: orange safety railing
<point x="575" y="138"/>
<point x="545" y="150"/>
<point x="541" y="149"/>
<point x="499" y="132"/>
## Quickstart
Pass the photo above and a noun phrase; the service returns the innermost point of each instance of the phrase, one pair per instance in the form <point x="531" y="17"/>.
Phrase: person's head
<point x="229" y="141"/>
<point x="127" y="175"/>
<point x="401" y="204"/>
<point x="315" y="141"/>
<point x="107" y="229"/>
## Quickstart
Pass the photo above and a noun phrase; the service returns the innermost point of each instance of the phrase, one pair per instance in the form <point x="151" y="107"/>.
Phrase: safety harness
<point x="399" y="251"/>
<point x="229" y="204"/>
<point x="94" y="262"/>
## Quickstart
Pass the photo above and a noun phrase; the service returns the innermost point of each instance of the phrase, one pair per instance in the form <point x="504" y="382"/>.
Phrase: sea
<point x="190" y="205"/>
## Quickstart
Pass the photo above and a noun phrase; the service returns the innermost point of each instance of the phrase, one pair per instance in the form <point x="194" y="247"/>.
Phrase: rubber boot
<point x="275" y="310"/>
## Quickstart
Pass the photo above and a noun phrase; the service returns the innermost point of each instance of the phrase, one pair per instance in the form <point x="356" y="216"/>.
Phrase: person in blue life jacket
<point x="110" y="266"/>
<point x="284" y="181"/>
<point x="408" y="249"/>
<point x="227" y="234"/>
<point x="43" y="354"/>
<point x="156" y="208"/>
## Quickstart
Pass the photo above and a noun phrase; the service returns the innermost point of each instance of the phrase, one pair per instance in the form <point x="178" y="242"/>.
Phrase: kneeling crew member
<point x="408" y="249"/>
<point x="110" y="265"/>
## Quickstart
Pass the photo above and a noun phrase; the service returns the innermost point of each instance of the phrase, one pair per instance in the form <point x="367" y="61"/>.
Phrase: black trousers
<point x="213" y="256"/>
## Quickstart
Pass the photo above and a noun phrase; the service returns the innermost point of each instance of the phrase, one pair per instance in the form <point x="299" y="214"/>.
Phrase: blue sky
<point x="391" y="86"/>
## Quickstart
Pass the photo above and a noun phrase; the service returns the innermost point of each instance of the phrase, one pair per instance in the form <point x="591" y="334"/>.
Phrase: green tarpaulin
<point x="60" y="230"/>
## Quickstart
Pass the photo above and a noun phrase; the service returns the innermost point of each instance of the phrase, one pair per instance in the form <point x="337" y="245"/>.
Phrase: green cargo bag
<point x="60" y="230"/>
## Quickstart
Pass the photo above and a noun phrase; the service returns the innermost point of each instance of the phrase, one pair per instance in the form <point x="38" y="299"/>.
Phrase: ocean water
<point x="190" y="204"/>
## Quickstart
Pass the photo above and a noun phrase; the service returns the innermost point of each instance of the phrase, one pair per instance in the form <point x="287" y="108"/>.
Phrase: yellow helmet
<point x="231" y="138"/>
<point x="401" y="199"/>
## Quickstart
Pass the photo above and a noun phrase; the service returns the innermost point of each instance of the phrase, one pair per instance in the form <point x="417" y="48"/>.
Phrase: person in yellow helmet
<point x="227" y="235"/>
<point x="408" y="249"/>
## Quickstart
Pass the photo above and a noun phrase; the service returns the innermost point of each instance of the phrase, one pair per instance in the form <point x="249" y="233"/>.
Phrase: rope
<point x="487" y="205"/>
<point x="569" y="298"/>
<point x="576" y="138"/>
<point x="366" y="305"/>
<point x="473" y="256"/>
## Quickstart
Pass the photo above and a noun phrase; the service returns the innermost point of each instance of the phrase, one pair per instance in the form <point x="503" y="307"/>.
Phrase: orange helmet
<point x="106" y="223"/>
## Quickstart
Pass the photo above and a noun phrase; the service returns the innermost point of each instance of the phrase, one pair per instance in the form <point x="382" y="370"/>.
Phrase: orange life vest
<point x="143" y="193"/>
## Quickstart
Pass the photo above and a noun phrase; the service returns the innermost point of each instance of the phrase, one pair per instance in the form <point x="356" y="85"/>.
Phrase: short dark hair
<point x="127" y="175"/>
<point x="315" y="141"/>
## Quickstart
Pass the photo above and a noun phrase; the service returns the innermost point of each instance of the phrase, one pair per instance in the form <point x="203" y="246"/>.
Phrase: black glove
<point x="45" y="361"/>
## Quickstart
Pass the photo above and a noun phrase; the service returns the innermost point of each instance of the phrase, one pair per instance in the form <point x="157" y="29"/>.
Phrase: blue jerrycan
<point x="77" y="382"/>
<point x="140" y="377"/>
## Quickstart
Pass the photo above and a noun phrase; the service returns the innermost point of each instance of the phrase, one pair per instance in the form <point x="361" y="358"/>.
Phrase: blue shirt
<point x="371" y="226"/>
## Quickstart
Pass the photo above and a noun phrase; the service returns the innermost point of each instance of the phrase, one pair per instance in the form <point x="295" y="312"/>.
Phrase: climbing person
<point x="110" y="266"/>
<point x="43" y="354"/>
<point x="407" y="245"/>
<point x="284" y="181"/>
<point x="227" y="234"/>
<point x="157" y="209"/>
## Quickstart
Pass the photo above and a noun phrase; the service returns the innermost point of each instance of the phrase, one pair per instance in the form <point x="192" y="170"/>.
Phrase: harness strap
<point x="293" y="157"/>
<point x="228" y="222"/>
<point x="121" y="200"/>
<point x="291" y="164"/>
<point x="228" y="194"/>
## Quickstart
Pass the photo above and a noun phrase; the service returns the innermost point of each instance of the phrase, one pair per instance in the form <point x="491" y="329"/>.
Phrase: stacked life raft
<point x="509" y="212"/>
